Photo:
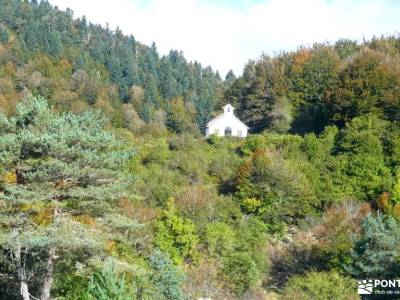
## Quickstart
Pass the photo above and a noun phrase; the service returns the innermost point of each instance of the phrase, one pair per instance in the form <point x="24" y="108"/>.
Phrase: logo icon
<point x="365" y="287"/>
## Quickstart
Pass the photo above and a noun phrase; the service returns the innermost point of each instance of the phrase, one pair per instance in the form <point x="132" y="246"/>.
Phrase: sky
<point x="227" y="33"/>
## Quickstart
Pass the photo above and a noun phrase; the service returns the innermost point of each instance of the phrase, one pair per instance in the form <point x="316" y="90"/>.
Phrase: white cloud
<point x="226" y="37"/>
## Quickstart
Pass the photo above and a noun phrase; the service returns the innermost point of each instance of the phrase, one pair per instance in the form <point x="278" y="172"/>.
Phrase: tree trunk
<point x="20" y="269"/>
<point x="24" y="290"/>
<point x="48" y="279"/>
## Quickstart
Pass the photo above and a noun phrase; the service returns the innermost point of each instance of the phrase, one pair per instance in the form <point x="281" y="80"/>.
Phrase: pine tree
<point x="166" y="276"/>
<point x="4" y="34"/>
<point x="230" y="77"/>
<point x="376" y="252"/>
<point x="58" y="164"/>
<point x="53" y="43"/>
<point x="31" y="36"/>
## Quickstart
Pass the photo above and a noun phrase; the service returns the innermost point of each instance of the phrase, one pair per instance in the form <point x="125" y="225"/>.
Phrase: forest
<point x="109" y="189"/>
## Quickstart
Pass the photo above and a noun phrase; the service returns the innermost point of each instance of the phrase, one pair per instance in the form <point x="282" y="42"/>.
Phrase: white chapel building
<point x="227" y="124"/>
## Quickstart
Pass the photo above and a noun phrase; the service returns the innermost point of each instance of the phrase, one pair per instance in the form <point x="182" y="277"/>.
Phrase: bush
<point x="107" y="284"/>
<point x="278" y="183"/>
<point x="226" y="211"/>
<point x="176" y="235"/>
<point x="240" y="271"/>
<point x="155" y="152"/>
<point x="340" y="224"/>
<point x="220" y="239"/>
<point x="320" y="286"/>
<point x="167" y="278"/>
<point x="197" y="202"/>
<point x="251" y="238"/>
<point x="203" y="281"/>
<point x="151" y="183"/>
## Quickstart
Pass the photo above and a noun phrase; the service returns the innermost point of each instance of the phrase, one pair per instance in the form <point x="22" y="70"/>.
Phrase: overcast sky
<point x="226" y="33"/>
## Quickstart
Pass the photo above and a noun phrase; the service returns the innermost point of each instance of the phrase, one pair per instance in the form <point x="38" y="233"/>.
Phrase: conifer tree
<point x="55" y="165"/>
<point x="376" y="252"/>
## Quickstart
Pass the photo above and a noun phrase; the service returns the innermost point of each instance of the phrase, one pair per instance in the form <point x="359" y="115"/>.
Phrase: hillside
<point x="108" y="190"/>
<point x="76" y="64"/>
<point x="326" y="84"/>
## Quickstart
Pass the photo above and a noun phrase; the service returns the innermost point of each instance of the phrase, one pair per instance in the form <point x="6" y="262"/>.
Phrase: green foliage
<point x="277" y="183"/>
<point x="251" y="205"/>
<point x="220" y="238"/>
<point x="59" y="164"/>
<point x="252" y="238"/>
<point x="260" y="95"/>
<point x="376" y="252"/>
<point x="325" y="169"/>
<point x="241" y="271"/>
<point x="57" y="156"/>
<point x="252" y="143"/>
<point x="241" y="252"/>
<point x="395" y="196"/>
<point x="70" y="286"/>
<point x="176" y="235"/>
<point x="313" y="73"/>
<point x="346" y="47"/>
<point x="107" y="284"/>
<point x="361" y="146"/>
<point x="167" y="277"/>
<point x="181" y="116"/>
<point x="320" y="286"/>
<point x="4" y="34"/>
